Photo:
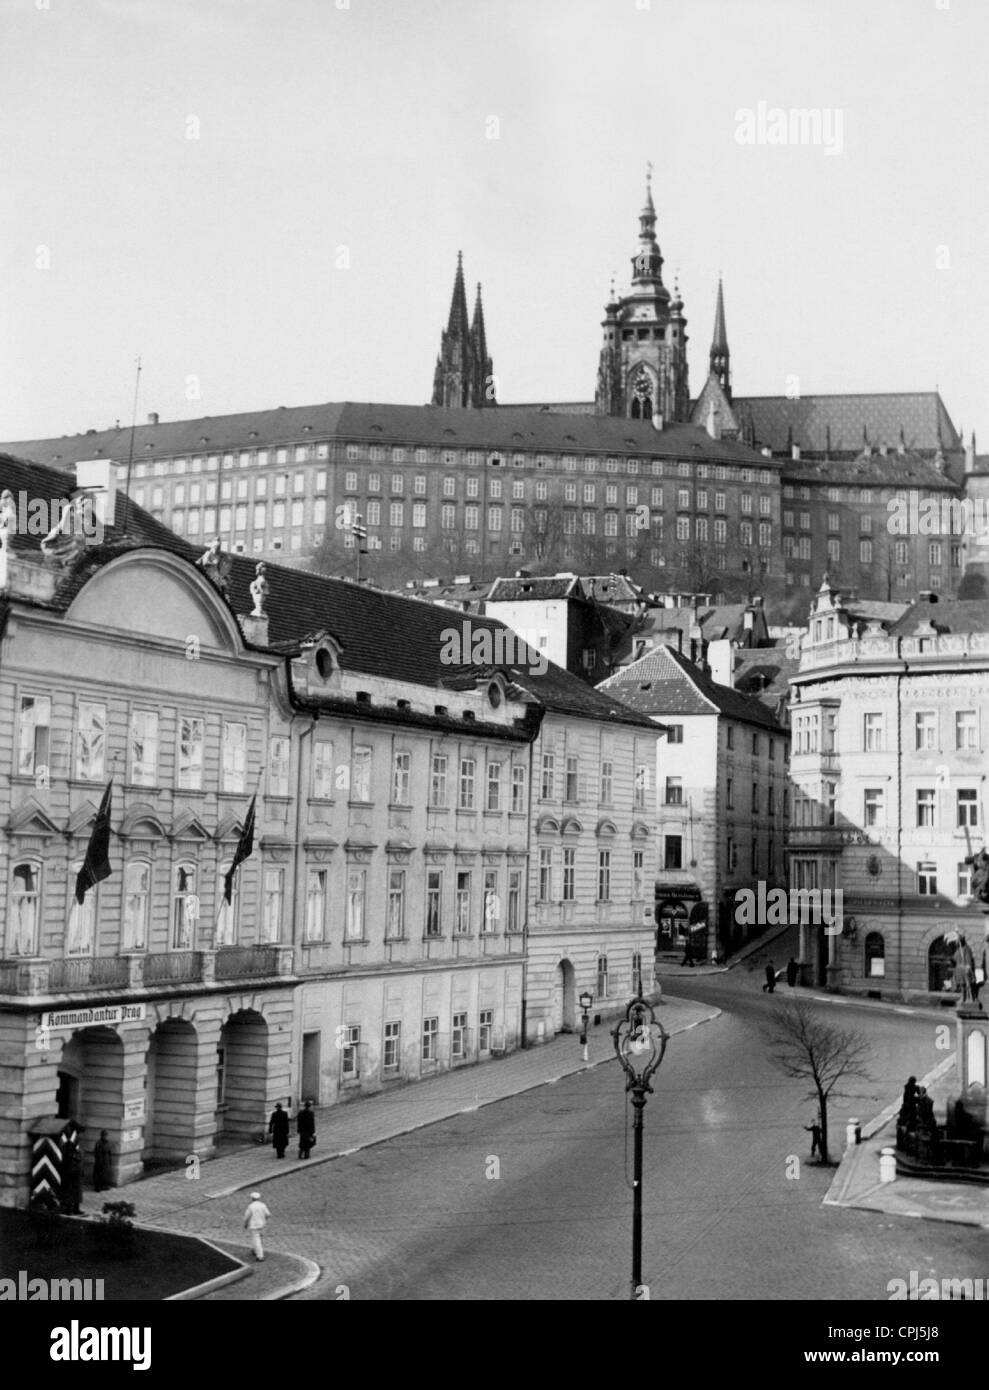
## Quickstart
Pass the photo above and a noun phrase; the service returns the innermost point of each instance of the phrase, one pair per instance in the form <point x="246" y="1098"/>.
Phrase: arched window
<point x="227" y="918"/>
<point x="875" y="954"/>
<point x="185" y="907"/>
<point x="81" y="931"/>
<point x="25" y="909"/>
<point x="940" y="965"/>
<point x="137" y="899"/>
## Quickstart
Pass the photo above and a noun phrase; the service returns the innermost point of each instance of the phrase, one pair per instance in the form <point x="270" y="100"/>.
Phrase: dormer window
<point x="324" y="663"/>
<point x="494" y="694"/>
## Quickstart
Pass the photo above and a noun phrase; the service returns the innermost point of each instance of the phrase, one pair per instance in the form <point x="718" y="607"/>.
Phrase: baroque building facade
<point x="889" y="718"/>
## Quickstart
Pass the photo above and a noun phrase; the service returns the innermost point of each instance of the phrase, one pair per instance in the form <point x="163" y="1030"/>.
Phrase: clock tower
<point x="643" y="367"/>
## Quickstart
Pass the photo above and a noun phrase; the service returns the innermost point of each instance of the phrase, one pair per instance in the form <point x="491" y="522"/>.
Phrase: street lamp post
<point x="585" y="1001"/>
<point x="640" y="1042"/>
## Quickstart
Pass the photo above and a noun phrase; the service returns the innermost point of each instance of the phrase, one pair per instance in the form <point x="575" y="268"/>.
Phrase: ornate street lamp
<point x="585" y="1001"/>
<point x="640" y="1042"/>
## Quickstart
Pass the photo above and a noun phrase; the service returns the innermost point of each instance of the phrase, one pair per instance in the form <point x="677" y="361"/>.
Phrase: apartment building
<point x="889" y="717"/>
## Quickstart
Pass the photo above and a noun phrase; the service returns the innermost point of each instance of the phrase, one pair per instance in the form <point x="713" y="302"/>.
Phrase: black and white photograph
<point x="494" y="666"/>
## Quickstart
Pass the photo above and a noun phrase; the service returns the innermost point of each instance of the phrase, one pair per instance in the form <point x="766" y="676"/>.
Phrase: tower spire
<point x="463" y="375"/>
<point x="720" y="354"/>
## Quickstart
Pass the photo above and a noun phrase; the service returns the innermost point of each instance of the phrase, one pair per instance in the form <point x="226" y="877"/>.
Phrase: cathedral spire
<point x="647" y="263"/>
<point x="720" y="354"/>
<point x="463" y="375"/>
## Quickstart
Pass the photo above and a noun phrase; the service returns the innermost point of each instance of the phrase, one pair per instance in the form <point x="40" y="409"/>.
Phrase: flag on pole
<point x="244" y="850"/>
<point x="96" y="865"/>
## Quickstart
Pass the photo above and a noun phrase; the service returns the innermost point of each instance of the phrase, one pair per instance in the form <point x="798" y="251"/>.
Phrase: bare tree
<point x="807" y="1047"/>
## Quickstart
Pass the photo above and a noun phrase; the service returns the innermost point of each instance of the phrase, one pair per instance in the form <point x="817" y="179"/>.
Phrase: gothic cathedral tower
<point x="464" y="374"/>
<point x="643" y="368"/>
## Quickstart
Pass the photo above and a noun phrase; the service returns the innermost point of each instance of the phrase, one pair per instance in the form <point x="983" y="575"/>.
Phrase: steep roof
<point x="539" y="587"/>
<point x="947" y="615"/>
<point x="664" y="682"/>
<point x="502" y="427"/>
<point x="779" y="421"/>
<point x="869" y="470"/>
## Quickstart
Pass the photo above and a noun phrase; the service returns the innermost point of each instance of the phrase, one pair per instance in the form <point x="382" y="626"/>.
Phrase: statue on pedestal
<point x="964" y="973"/>
<point x="259" y="590"/>
<point x="215" y="564"/>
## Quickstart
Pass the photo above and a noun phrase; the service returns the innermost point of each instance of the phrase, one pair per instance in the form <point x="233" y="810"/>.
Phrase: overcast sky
<point x="319" y="126"/>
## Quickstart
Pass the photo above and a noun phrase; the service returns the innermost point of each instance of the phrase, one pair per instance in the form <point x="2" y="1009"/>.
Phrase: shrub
<point x="113" y="1230"/>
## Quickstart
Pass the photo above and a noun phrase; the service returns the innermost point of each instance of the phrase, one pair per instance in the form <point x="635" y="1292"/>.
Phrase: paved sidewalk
<point x="673" y="970"/>
<point x="343" y="1129"/>
<point x="856" y="1183"/>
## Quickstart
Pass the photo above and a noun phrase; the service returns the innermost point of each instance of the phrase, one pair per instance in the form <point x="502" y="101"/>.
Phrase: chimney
<point x="153" y="417"/>
<point x="766" y="453"/>
<point x="98" y="478"/>
<point x="970" y="455"/>
<point x="720" y="658"/>
<point x="712" y="422"/>
<point x="657" y="422"/>
<point x="795" y="451"/>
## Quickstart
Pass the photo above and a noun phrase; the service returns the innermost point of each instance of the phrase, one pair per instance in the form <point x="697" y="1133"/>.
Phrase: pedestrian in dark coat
<point x="102" y="1163"/>
<point x="908" y="1109"/>
<point x="814" y="1130"/>
<point x="72" y="1180"/>
<point x="770" y="978"/>
<point x="305" y="1123"/>
<point x="278" y="1129"/>
<point x="792" y="971"/>
<point x="688" y="952"/>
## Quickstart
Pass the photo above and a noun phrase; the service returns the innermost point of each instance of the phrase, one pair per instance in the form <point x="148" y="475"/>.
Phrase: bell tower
<point x="642" y="372"/>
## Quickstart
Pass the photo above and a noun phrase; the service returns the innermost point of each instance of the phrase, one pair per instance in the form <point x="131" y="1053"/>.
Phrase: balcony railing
<point x="173" y="967"/>
<point x="245" y="962"/>
<point x="88" y="972"/>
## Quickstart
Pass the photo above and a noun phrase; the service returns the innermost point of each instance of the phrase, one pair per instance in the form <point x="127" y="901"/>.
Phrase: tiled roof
<point x="874" y="610"/>
<point x="545" y="587"/>
<point x="381" y="634"/>
<point x="947" y="615"/>
<point x="882" y="414"/>
<point x="503" y="428"/>
<point x="665" y="683"/>
<point x="764" y="672"/>
<point x="868" y="470"/>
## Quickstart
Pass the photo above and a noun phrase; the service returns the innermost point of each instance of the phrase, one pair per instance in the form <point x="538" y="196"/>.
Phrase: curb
<point x="221" y="1280"/>
<point x="305" y="1281"/>
<point x="424" y="1124"/>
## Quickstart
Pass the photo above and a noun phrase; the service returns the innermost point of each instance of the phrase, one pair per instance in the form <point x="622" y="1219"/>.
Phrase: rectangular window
<point x="546" y="780"/>
<point x="278" y="766"/>
<point x="485" y="1030"/>
<point x="315" y="904"/>
<point x="350" y="1052"/>
<point x="966" y="729"/>
<point x="491" y="904"/>
<point x="467" y="772"/>
<point x="604" y="875"/>
<point x="968" y="807"/>
<point x="607" y="782"/>
<point x="641" y="786"/>
<point x="392" y="1052"/>
<point x="322" y="770"/>
<point x="926" y="730"/>
<point x="545" y="875"/>
<point x="674" y="791"/>
<point x="437" y="782"/>
<point x="418" y="514"/>
<point x="874" y="806"/>
<point x="569" y="874"/>
<point x="873" y="735"/>
<point x="434" y="902"/>
<point x="514" y="923"/>
<point x="926" y="805"/>
<point x="462" y="918"/>
<point x="430" y="1039"/>
<point x="518" y="790"/>
<point x="494" y="787"/>
<point x="354" y="922"/>
<point x="90" y="741"/>
<point x="360" y="773"/>
<point x="234" y="757"/>
<point x="571" y="780"/>
<point x="673" y="852"/>
<point x="271" y="918"/>
<point x="964" y="880"/>
<point x="602" y="977"/>
<point x="143" y="748"/>
<point x="396" y="514"/>
<point x="191" y="740"/>
<point x="927" y="878"/>
<point x="401" y="781"/>
<point x="396" y="903"/>
<point x="458" y="1038"/>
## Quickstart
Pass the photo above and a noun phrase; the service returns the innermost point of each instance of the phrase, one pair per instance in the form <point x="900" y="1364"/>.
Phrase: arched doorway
<point x="671" y="920"/>
<point x="169" y="1128"/>
<point x="241" y="1074"/>
<point x="940" y="965"/>
<point x="564" y="998"/>
<point x="91" y="1083"/>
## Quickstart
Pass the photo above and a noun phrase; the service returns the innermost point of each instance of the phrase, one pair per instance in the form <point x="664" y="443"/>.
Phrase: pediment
<point x="230" y="827"/>
<point x="606" y="827"/>
<point x="571" y="826"/>
<point x="141" y="822"/>
<point x="31" y="819"/>
<point x="639" y="831"/>
<point x="547" y="825"/>
<point x="81" y="819"/>
<point x="188" y="826"/>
